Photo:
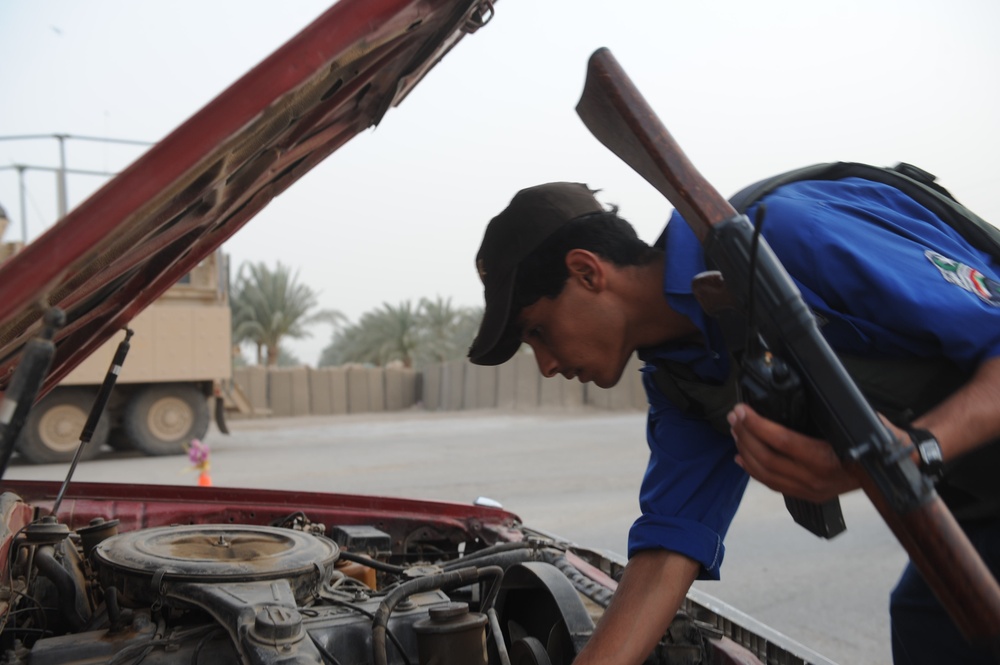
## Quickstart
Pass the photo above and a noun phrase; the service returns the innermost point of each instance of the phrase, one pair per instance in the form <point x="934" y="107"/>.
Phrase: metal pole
<point x="24" y="209"/>
<point x="61" y="175"/>
<point x="61" y="171"/>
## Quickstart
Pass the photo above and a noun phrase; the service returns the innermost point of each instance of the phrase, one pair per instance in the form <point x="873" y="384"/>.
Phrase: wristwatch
<point x="929" y="450"/>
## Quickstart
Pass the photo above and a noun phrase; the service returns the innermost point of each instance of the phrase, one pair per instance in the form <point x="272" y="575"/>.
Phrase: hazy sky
<point x="747" y="88"/>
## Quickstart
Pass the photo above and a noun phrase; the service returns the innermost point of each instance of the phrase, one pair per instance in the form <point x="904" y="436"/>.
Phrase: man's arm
<point x="651" y="591"/>
<point x="807" y="468"/>
<point x="970" y="416"/>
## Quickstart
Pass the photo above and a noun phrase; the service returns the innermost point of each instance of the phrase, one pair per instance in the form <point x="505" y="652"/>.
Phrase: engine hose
<point x="498" y="636"/>
<point x="496" y="572"/>
<point x="596" y="592"/>
<point x="502" y="559"/>
<point x="445" y="580"/>
<point x="113" y="608"/>
<point x="65" y="584"/>
<point x="493" y="549"/>
<point x="371" y="563"/>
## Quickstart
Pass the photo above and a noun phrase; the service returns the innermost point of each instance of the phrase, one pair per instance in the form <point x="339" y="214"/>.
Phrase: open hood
<point x="123" y="247"/>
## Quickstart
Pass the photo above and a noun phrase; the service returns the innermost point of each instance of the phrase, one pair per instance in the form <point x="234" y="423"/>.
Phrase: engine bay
<point x="208" y="577"/>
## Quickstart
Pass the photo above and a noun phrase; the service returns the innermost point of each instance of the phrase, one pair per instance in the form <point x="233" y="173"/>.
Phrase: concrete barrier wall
<point x="400" y="388"/>
<point x="328" y="390"/>
<point x="451" y="386"/>
<point x="338" y="389"/>
<point x="253" y="383"/>
<point x="300" y="391"/>
<point x="376" y="388"/>
<point x="517" y="384"/>
<point x="433" y="380"/>
<point x="320" y="393"/>
<point x="480" y="387"/>
<point x="288" y="390"/>
<point x="527" y="381"/>
<point x="506" y="386"/>
<point x="358" y="395"/>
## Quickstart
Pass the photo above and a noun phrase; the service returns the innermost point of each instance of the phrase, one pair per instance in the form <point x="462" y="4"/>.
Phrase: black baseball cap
<point x="530" y="218"/>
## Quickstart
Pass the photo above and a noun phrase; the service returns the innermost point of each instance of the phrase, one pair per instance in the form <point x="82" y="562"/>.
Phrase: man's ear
<point x="587" y="269"/>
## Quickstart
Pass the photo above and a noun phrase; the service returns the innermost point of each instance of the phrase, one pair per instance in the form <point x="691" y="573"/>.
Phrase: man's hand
<point x="794" y="464"/>
<point x="807" y="468"/>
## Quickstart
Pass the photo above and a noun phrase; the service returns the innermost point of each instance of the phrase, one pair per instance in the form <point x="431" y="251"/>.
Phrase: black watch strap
<point x="929" y="450"/>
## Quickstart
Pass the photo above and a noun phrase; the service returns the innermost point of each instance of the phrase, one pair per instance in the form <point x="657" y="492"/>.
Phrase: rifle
<point x="620" y="118"/>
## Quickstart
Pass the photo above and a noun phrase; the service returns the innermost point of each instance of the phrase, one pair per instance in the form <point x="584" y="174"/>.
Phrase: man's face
<point x="580" y="334"/>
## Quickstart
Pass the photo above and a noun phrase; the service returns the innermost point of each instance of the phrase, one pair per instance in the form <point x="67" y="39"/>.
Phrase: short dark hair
<point x="543" y="273"/>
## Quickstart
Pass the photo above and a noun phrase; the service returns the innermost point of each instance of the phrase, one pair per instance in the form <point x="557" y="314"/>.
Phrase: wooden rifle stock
<point x="619" y="117"/>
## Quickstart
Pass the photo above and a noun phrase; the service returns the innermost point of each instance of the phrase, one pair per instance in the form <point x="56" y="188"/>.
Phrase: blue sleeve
<point x="691" y="489"/>
<point x="869" y="262"/>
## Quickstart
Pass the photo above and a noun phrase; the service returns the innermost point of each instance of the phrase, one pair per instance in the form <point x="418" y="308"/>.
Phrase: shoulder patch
<point x="966" y="278"/>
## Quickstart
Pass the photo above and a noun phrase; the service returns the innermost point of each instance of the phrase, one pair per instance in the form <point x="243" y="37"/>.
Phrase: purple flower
<point x="197" y="452"/>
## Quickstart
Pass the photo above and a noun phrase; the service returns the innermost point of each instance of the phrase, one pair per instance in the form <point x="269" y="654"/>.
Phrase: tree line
<point x="271" y="305"/>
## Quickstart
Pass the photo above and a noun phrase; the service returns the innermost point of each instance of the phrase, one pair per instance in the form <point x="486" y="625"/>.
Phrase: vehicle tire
<point x="119" y="440"/>
<point x="162" y="420"/>
<point x="52" y="430"/>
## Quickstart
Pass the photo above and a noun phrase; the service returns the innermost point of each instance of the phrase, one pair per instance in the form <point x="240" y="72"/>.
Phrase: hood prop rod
<point x="96" y="411"/>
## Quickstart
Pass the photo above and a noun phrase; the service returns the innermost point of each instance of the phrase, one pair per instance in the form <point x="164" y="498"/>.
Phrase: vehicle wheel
<point x="119" y="440"/>
<point x="161" y="420"/>
<point x="52" y="431"/>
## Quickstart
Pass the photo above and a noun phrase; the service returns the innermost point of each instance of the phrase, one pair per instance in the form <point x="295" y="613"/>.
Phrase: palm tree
<point x="388" y="334"/>
<point x="384" y="335"/>
<point x="465" y="329"/>
<point x="269" y="306"/>
<point x="433" y="332"/>
<point x="346" y="347"/>
<point x="446" y="332"/>
<point x="437" y="324"/>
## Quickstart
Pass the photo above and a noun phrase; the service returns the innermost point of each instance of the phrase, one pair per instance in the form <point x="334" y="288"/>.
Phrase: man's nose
<point x="547" y="364"/>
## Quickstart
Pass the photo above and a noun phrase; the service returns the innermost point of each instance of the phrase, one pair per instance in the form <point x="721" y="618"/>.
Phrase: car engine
<point x="283" y="593"/>
<point x="203" y="586"/>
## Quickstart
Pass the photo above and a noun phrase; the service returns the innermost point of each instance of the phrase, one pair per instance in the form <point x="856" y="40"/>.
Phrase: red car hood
<point x="139" y="506"/>
<point x="123" y="247"/>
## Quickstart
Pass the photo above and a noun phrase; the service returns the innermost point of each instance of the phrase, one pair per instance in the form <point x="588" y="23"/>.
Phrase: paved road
<point x="571" y="473"/>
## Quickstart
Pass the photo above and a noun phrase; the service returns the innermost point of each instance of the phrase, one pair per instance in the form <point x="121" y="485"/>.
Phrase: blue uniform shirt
<point x="884" y="277"/>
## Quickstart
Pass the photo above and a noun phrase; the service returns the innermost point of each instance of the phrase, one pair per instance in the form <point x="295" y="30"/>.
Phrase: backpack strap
<point x="695" y="396"/>
<point x="918" y="184"/>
